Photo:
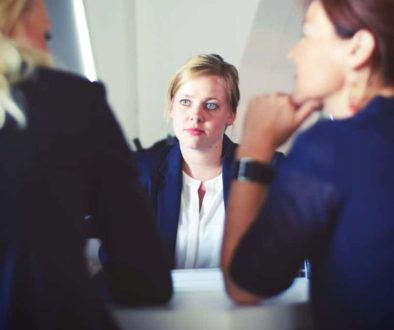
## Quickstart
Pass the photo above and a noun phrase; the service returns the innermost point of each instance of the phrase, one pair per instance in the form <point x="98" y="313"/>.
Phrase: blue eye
<point x="184" y="102"/>
<point x="212" y="106"/>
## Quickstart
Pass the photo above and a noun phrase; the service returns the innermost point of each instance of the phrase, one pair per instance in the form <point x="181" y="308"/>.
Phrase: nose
<point x="196" y="113"/>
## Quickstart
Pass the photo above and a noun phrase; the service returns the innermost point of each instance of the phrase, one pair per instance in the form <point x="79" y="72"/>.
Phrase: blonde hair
<point x="207" y="65"/>
<point x="17" y="60"/>
<point x="10" y="13"/>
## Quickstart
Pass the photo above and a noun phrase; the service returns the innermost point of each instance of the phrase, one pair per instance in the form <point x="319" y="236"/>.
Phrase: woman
<point x="28" y="22"/>
<point x="331" y="200"/>
<point x="63" y="157"/>
<point x="187" y="183"/>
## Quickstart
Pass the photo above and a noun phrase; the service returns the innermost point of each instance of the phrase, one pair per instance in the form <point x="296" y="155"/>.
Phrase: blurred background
<point x="134" y="47"/>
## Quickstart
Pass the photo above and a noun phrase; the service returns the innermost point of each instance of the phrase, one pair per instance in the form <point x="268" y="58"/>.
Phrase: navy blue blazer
<point x="331" y="201"/>
<point x="160" y="172"/>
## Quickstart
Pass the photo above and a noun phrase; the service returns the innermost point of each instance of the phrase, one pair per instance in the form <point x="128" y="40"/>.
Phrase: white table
<point x="200" y="302"/>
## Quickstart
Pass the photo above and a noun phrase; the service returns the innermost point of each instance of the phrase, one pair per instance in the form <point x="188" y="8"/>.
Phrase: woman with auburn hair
<point x="63" y="157"/>
<point x="331" y="201"/>
<point x="187" y="183"/>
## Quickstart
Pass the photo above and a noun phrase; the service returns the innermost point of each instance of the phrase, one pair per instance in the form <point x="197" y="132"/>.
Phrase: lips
<point x="194" y="131"/>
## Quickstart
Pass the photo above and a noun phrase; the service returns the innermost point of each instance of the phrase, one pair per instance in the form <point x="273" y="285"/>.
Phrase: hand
<point x="271" y="119"/>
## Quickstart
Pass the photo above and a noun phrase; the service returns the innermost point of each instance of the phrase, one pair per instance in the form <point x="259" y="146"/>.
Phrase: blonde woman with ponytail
<point x="20" y="46"/>
<point x="63" y="159"/>
<point x="10" y="72"/>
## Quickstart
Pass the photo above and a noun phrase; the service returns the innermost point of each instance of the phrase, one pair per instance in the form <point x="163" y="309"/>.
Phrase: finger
<point x="281" y="94"/>
<point x="305" y="110"/>
<point x="293" y="102"/>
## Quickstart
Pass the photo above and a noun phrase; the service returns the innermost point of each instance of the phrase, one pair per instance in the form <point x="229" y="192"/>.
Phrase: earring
<point x="355" y="98"/>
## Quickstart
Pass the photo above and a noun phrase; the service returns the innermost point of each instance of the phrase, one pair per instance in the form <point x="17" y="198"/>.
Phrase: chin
<point x="190" y="144"/>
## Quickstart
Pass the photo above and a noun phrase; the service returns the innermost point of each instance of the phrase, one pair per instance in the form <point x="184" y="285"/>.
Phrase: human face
<point x="34" y="25"/>
<point x="201" y="113"/>
<point x="320" y="59"/>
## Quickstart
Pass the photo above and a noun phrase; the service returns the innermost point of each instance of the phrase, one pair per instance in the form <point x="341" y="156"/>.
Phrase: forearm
<point x="245" y="201"/>
<point x="269" y="121"/>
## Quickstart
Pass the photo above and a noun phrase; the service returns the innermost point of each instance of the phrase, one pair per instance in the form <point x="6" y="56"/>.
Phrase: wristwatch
<point x="249" y="169"/>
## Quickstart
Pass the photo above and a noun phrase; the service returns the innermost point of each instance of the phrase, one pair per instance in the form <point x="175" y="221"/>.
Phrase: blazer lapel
<point x="169" y="197"/>
<point x="227" y="163"/>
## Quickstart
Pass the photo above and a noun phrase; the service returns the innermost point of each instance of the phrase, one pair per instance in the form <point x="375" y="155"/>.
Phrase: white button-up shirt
<point x="200" y="231"/>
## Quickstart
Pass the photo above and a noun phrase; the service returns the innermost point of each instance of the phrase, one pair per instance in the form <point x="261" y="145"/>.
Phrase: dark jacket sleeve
<point x="138" y="268"/>
<point x="293" y="224"/>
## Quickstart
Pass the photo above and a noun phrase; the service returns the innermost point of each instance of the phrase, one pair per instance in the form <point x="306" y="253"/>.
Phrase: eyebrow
<point x="205" y="99"/>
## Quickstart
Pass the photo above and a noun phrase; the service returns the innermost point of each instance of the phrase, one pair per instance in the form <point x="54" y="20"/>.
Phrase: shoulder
<point x="228" y="142"/>
<point x="316" y="151"/>
<point x="323" y="138"/>
<point x="319" y="132"/>
<point x="151" y="161"/>
<point x="229" y="147"/>
<point x="64" y="96"/>
<point x="60" y="76"/>
<point x="56" y="82"/>
<point x="147" y="159"/>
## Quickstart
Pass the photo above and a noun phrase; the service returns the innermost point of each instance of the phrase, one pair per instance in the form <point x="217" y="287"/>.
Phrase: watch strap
<point x="248" y="169"/>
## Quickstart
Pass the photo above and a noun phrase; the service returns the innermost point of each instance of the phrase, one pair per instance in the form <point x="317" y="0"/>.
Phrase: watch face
<point x="251" y="170"/>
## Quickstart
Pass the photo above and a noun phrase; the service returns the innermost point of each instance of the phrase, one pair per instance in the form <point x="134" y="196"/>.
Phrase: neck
<point x="202" y="165"/>
<point x="368" y="86"/>
<point x="386" y="92"/>
<point x="337" y="105"/>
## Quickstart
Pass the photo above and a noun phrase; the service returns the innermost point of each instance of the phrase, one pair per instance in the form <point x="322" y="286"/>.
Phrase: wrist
<point x="257" y="151"/>
<point x="251" y="170"/>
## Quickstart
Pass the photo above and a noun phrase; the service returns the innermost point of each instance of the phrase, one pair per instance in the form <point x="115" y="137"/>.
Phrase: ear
<point x="362" y="47"/>
<point x="231" y="119"/>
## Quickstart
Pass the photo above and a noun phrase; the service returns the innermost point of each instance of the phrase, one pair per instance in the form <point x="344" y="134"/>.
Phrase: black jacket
<point x="71" y="161"/>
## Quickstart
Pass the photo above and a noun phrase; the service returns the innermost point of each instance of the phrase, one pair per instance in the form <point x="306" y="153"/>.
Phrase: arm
<point x="251" y="196"/>
<point x="269" y="122"/>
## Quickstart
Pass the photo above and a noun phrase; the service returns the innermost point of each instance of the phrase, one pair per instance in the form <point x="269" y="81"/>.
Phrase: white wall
<point x="138" y="44"/>
<point x="169" y="32"/>
<point x="264" y="67"/>
<point x="112" y="29"/>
